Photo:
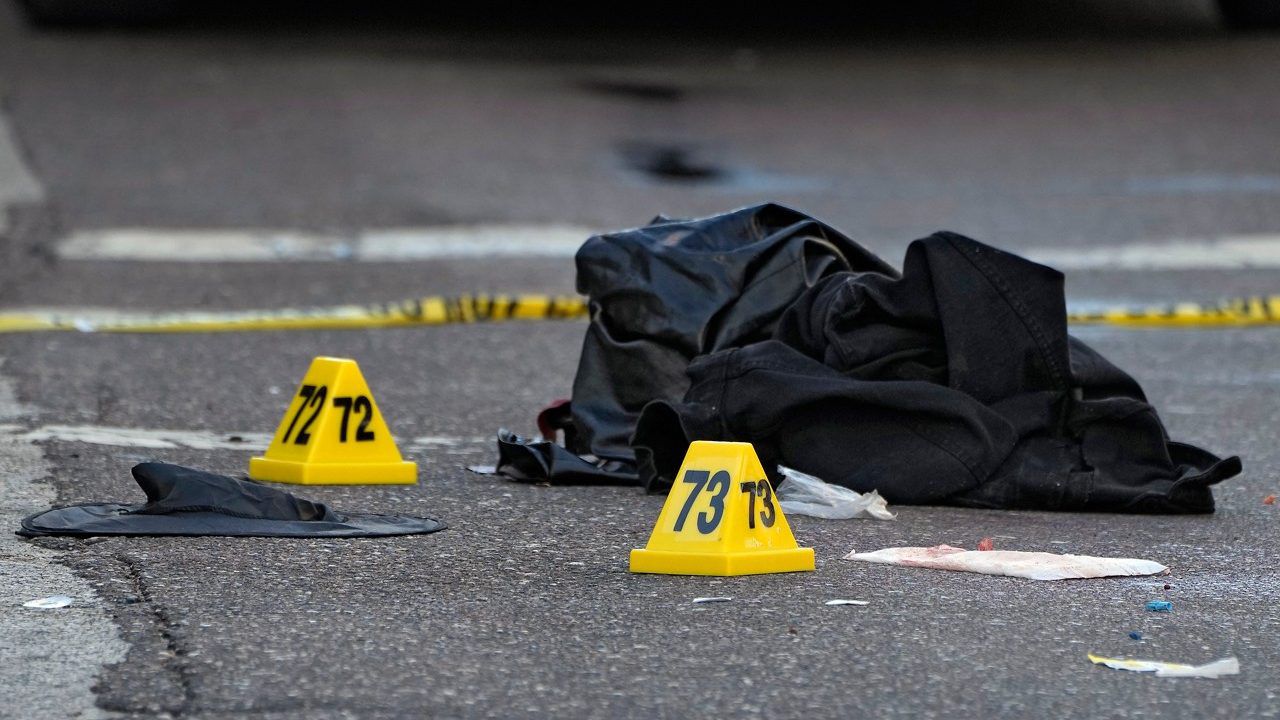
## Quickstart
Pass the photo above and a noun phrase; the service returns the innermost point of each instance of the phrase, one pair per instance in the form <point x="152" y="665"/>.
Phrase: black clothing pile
<point x="187" y="502"/>
<point x="954" y="382"/>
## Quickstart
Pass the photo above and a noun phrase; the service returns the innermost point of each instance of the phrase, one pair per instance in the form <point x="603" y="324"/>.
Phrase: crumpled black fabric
<point x="545" y="461"/>
<point x="188" y="502"/>
<point x="663" y="294"/>
<point x="954" y="383"/>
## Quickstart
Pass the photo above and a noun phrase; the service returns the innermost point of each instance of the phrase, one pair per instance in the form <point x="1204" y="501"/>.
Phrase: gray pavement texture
<point x="1096" y="132"/>
<point x="50" y="656"/>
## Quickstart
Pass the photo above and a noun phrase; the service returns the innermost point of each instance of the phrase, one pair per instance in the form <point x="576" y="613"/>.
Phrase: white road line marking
<point x="1224" y="253"/>
<point x="562" y="241"/>
<point x="50" y="661"/>
<point x="147" y="244"/>
<point x="1203" y="184"/>
<point x="385" y="245"/>
<point x="157" y="439"/>
<point x="471" y="241"/>
<point x="17" y="184"/>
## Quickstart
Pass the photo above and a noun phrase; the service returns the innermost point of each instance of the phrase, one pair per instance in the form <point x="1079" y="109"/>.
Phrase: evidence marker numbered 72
<point x="333" y="434"/>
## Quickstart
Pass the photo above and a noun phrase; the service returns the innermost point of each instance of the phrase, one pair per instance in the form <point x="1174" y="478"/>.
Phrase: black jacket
<point x="954" y="382"/>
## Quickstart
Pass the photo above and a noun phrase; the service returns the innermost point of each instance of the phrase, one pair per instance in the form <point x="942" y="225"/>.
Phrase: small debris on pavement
<point x="50" y="603"/>
<point x="986" y="544"/>
<point x="701" y="600"/>
<point x="1160" y="606"/>
<point x="1215" y="669"/>
<point x="1269" y="500"/>
<point x="1135" y="635"/>
<point x="1014" y="563"/>
<point x="848" y="602"/>
<point x="483" y="469"/>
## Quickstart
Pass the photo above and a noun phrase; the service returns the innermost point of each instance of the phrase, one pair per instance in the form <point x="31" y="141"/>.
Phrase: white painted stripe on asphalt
<point x="1203" y="184"/>
<point x="385" y="245"/>
<point x="159" y="439"/>
<point x="51" y="657"/>
<point x="1225" y="253"/>
<point x="158" y="245"/>
<point x="562" y="241"/>
<point x="17" y="184"/>
<point x="472" y="241"/>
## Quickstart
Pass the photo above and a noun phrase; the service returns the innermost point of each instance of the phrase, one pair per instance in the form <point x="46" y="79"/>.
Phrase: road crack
<point x="154" y="678"/>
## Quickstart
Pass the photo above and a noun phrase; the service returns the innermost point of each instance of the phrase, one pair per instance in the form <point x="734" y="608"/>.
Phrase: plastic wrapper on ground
<point x="803" y="494"/>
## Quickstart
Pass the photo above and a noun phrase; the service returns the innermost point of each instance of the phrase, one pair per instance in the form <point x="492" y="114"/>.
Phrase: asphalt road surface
<point x="1082" y="130"/>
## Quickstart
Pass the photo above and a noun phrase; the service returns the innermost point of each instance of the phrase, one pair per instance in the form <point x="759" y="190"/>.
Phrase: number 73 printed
<point x="719" y="485"/>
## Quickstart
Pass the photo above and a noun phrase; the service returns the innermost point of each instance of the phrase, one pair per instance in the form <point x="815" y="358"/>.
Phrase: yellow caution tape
<point x="1234" y="312"/>
<point x="439" y="310"/>
<point x="419" y="311"/>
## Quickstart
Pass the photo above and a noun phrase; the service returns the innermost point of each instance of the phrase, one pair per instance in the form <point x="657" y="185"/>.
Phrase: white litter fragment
<point x="847" y="602"/>
<point x="700" y="600"/>
<point x="801" y="494"/>
<point x="483" y="469"/>
<point x="1215" y="669"/>
<point x="50" y="603"/>
<point x="1033" y="565"/>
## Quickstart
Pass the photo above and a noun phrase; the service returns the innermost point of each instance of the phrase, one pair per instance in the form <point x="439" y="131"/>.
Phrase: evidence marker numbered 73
<point x="721" y="518"/>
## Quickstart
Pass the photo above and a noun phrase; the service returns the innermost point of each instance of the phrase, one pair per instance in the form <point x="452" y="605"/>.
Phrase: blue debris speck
<point x="1160" y="606"/>
<point x="1135" y="635"/>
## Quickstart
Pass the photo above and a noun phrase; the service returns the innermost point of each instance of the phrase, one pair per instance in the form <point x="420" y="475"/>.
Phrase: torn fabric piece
<point x="1013" y="563"/>
<point x="186" y="502"/>
<point x="1215" y="669"/>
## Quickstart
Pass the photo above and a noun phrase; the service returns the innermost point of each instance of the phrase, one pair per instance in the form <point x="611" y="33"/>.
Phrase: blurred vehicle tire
<point x="1250" y="14"/>
<point x="99" y="12"/>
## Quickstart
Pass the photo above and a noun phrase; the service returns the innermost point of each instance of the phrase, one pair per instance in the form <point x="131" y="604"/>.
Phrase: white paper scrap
<point x="1215" y="669"/>
<point x="1014" y="563"/>
<point x="50" y="603"/>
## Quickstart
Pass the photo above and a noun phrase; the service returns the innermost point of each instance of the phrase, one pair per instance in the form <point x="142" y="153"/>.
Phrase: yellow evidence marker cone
<point x="721" y="518"/>
<point x="333" y="434"/>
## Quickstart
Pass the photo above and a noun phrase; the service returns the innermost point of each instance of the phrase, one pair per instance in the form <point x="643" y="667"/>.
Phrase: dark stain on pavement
<point x="635" y="90"/>
<point x="670" y="163"/>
